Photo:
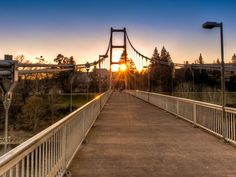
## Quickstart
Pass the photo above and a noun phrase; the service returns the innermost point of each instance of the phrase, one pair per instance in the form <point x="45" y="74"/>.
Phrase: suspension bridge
<point x="133" y="133"/>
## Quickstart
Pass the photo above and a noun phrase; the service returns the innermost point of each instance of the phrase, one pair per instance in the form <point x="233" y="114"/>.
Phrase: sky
<point x="81" y="28"/>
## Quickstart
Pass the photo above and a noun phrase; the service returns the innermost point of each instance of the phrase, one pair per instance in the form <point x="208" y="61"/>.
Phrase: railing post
<point x="100" y="104"/>
<point x="194" y="115"/>
<point x="166" y="104"/>
<point x="64" y="143"/>
<point x="225" y="125"/>
<point x="177" y="108"/>
<point x="84" y="116"/>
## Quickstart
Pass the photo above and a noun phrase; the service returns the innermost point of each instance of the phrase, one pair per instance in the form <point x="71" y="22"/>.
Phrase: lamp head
<point x="210" y="25"/>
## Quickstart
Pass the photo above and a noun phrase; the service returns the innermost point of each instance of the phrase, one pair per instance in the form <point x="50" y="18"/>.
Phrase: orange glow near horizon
<point x="121" y="67"/>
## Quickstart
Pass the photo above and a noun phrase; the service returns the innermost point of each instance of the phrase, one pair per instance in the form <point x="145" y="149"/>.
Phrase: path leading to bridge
<point x="132" y="138"/>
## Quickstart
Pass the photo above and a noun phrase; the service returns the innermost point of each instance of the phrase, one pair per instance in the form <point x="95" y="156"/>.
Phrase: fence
<point x="50" y="152"/>
<point x="205" y="115"/>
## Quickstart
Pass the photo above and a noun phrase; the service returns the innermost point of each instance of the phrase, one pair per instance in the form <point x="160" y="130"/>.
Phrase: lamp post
<point x="72" y="78"/>
<point x="87" y="67"/>
<point x="71" y="90"/>
<point x="148" y="74"/>
<point x="148" y="77"/>
<point x="211" y="25"/>
<point x="101" y="57"/>
<point x="8" y="73"/>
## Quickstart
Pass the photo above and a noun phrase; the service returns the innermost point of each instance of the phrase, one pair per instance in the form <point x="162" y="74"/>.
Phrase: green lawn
<point x="77" y="100"/>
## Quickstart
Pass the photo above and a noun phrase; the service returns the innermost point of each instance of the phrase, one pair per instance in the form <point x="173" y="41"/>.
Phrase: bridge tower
<point x="112" y="46"/>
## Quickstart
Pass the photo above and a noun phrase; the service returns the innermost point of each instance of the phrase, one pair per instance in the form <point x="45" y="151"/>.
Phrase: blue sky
<point x="81" y="28"/>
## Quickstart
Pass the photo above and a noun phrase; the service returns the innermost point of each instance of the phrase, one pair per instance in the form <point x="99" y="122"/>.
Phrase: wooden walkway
<point x="132" y="138"/>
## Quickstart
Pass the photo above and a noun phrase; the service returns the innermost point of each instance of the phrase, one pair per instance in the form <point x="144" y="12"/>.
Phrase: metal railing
<point x="205" y="115"/>
<point x="49" y="153"/>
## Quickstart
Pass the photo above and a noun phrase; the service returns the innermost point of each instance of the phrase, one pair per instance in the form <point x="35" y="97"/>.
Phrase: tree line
<point x="37" y="100"/>
<point x="166" y="78"/>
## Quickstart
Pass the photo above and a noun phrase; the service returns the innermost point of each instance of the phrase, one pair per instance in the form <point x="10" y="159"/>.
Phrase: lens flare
<point x="123" y="67"/>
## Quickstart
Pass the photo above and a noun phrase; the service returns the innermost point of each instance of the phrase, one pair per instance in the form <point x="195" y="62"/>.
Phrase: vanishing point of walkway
<point x="132" y="138"/>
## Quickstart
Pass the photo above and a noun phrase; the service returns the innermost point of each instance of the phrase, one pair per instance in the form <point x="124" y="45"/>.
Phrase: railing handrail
<point x="33" y="140"/>
<point x="208" y="116"/>
<point x="210" y="105"/>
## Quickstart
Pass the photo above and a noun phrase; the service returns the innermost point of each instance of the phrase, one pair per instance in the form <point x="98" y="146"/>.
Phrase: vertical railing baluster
<point x="23" y="167"/>
<point x="53" y="153"/>
<point x="32" y="163"/>
<point x="60" y="150"/>
<point x="64" y="158"/>
<point x="40" y="161"/>
<point x="36" y="162"/>
<point x="194" y="114"/>
<point x="18" y="169"/>
<point x="234" y="127"/>
<point x="231" y="124"/>
<point x="56" y="160"/>
<point x="177" y="107"/>
<point x="51" y="158"/>
<point x="27" y="166"/>
<point x="11" y="172"/>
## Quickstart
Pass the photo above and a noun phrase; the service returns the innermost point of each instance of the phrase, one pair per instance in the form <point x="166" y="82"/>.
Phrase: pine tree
<point x="165" y="55"/>
<point x="234" y="59"/>
<point x="122" y="57"/>
<point x="160" y="74"/>
<point x="200" y="59"/>
<point x="155" y="57"/>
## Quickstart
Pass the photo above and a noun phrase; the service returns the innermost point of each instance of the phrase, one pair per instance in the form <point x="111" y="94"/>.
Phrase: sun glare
<point x="122" y="67"/>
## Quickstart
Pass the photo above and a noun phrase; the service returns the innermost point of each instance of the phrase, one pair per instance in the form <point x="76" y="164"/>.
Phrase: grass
<point x="210" y="97"/>
<point x="77" y="100"/>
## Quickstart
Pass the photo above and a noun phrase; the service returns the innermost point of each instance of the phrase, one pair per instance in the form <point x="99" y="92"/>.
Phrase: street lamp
<point x="87" y="67"/>
<point x="211" y="25"/>
<point x="101" y="58"/>
<point x="148" y="72"/>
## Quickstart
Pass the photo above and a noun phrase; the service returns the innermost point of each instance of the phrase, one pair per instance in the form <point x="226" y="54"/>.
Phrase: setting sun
<point x="123" y="67"/>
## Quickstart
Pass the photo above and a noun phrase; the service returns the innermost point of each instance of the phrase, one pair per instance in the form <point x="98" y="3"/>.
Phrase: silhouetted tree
<point x="231" y="84"/>
<point x="188" y="75"/>
<point x="161" y="71"/>
<point x="155" y="57"/>
<point x="63" y="78"/>
<point x="200" y="60"/>
<point x="155" y="69"/>
<point x="165" y="56"/>
<point x="93" y="84"/>
<point x="234" y="59"/>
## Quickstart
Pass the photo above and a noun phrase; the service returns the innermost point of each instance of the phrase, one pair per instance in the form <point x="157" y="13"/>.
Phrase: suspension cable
<point x="143" y="56"/>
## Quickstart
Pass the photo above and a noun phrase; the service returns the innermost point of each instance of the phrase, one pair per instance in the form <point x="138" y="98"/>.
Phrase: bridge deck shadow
<point x="133" y="138"/>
